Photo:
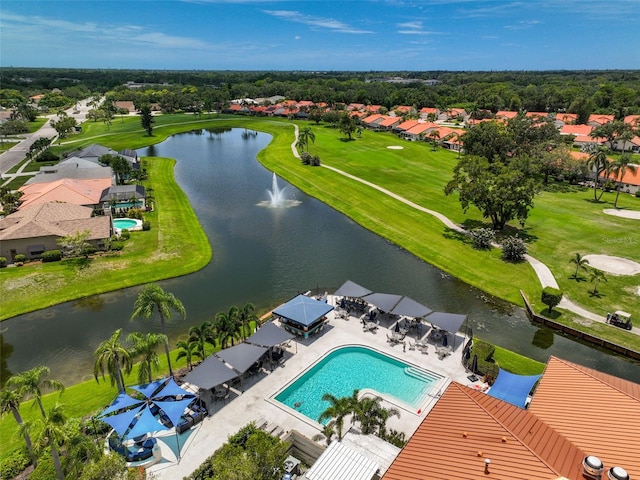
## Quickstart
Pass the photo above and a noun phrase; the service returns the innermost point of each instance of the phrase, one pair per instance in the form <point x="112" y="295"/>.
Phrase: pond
<point x="265" y="256"/>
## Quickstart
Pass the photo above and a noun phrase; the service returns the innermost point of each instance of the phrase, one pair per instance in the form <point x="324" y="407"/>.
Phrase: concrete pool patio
<point x="226" y="418"/>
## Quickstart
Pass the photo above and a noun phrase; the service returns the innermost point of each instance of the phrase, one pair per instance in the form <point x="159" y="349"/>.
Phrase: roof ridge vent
<point x="617" y="473"/>
<point x="593" y="468"/>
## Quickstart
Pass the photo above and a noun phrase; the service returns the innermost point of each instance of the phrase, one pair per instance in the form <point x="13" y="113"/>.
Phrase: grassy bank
<point x="176" y="245"/>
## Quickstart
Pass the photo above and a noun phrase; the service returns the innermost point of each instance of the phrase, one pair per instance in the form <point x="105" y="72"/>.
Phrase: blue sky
<point x="322" y="35"/>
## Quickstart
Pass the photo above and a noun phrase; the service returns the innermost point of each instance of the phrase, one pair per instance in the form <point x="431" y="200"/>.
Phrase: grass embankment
<point x="491" y="358"/>
<point x="7" y="145"/>
<point x="176" y="245"/>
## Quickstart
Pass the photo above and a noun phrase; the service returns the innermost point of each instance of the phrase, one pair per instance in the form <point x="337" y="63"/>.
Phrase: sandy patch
<point x="615" y="265"/>
<point x="634" y="215"/>
<point x="395" y="147"/>
<point x="638" y="291"/>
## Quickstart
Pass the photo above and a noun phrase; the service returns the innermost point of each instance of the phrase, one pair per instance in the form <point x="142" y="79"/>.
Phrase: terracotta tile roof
<point x="629" y="178"/>
<point x="600" y="119"/>
<point x="579" y="155"/>
<point x="537" y="114"/>
<point x="428" y="110"/>
<point x="69" y="190"/>
<point x="633" y="120"/>
<point x="466" y="426"/>
<point x="402" y="108"/>
<point x="389" y="121"/>
<point x="355" y="106"/>
<point x="422" y="128"/>
<point x="578" y="130"/>
<point x="567" y="117"/>
<point x="374" y="119"/>
<point x="373" y="108"/>
<point x="506" y="114"/>
<point x="406" y="125"/>
<point x="598" y="412"/>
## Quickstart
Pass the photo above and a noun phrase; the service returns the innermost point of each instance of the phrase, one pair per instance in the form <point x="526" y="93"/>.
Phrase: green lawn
<point x="175" y="245"/>
<point x="6" y="145"/>
<point x="36" y="124"/>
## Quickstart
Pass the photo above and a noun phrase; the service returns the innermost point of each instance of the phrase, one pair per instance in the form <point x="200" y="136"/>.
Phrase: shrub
<point x="551" y="297"/>
<point x="638" y="194"/>
<point x="3" y="262"/>
<point x="52" y="256"/>
<point x="135" y="213"/>
<point x="305" y="158"/>
<point x="125" y="234"/>
<point x="20" y="258"/>
<point x="47" y="156"/>
<point x="116" y="246"/>
<point x="14" y="464"/>
<point x="90" y="250"/>
<point x="513" y="249"/>
<point x="315" y="161"/>
<point x="482" y="238"/>
<point x="146" y="225"/>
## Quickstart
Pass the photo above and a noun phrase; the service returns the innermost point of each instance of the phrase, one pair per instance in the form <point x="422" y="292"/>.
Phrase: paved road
<point x="15" y="155"/>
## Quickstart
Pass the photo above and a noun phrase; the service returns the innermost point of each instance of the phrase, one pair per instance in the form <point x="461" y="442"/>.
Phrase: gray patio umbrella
<point x="408" y="307"/>
<point x="474" y="364"/>
<point x="351" y="289"/>
<point x="384" y="301"/>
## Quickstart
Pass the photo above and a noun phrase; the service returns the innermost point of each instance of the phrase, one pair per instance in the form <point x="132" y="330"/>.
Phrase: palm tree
<point x="145" y="345"/>
<point x="580" y="263"/>
<point x="246" y="316"/>
<point x="305" y="135"/>
<point x="53" y="435"/>
<point x="199" y="335"/>
<point x="227" y="326"/>
<point x="10" y="402"/>
<point x="619" y="168"/>
<point x="31" y="383"/>
<point x="112" y="357"/>
<point x="152" y="298"/>
<point x="187" y="350"/>
<point x="597" y="163"/>
<point x="596" y="277"/>
<point x="328" y="431"/>
<point x="434" y="136"/>
<point x="338" y="409"/>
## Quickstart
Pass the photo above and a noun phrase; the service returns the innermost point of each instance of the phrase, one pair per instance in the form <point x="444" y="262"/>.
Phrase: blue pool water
<point x="349" y="368"/>
<point x="124" y="223"/>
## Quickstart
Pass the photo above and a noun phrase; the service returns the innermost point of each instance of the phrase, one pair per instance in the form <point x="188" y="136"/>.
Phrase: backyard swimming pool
<point x="126" y="224"/>
<point x="349" y="368"/>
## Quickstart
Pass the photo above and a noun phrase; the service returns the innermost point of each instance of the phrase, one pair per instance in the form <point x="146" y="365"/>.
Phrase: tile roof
<point x="600" y="119"/>
<point x="633" y="120"/>
<point x="567" y="117"/>
<point x="69" y="190"/>
<point x="406" y="125"/>
<point x="578" y="130"/>
<point x="506" y="114"/>
<point x="53" y="219"/>
<point x="598" y="412"/>
<point x="374" y="119"/>
<point x="422" y="128"/>
<point x="428" y="110"/>
<point x="389" y="121"/>
<point x="466" y="426"/>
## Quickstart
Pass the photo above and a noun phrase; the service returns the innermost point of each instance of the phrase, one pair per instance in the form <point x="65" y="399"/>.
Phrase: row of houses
<point x="78" y="194"/>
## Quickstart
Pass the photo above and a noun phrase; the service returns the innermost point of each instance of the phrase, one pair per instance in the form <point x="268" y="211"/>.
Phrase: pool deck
<point x="226" y="418"/>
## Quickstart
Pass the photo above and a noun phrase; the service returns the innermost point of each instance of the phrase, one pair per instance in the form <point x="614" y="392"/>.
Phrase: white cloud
<point x="414" y="28"/>
<point x="522" y="25"/>
<point x="313" y="21"/>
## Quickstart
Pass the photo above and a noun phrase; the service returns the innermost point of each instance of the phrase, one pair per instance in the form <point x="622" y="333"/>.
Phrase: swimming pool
<point x="126" y="223"/>
<point x="349" y="368"/>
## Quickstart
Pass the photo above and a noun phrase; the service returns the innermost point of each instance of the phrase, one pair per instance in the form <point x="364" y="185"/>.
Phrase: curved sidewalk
<point x="543" y="273"/>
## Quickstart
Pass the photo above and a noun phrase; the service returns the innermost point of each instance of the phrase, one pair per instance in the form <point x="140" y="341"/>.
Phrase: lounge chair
<point x="412" y="346"/>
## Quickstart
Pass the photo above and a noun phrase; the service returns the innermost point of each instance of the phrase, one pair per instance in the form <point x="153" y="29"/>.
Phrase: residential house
<point x="596" y="120"/>
<point x="633" y="120"/>
<point x="373" y="108"/>
<point x="402" y="110"/>
<point x="371" y="122"/>
<point x="125" y="105"/>
<point x="388" y="123"/>
<point x="355" y="107"/>
<point x="35" y="229"/>
<point x="575" y="412"/>
<point x="456" y="114"/>
<point x="427" y="113"/>
<point x="85" y="191"/>
<point x="72" y="167"/>
<point x="562" y="119"/>
<point x="505" y="115"/>
<point x="450" y="138"/>
<point x="123" y="197"/>
<point x="630" y="181"/>
<point x="404" y="126"/>
<point x="419" y="131"/>
<point x="582" y="136"/>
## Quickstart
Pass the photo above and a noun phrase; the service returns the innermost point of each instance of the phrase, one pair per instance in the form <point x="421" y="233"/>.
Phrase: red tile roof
<point x="428" y="110"/>
<point x="629" y="178"/>
<point x="600" y="119"/>
<point x="633" y="120"/>
<point x="376" y="117"/>
<point x="506" y="114"/>
<point x="74" y="191"/>
<point x="567" y="117"/>
<point x="466" y="426"/>
<point x="373" y="108"/>
<point x="406" y="125"/>
<point x="578" y="130"/>
<point x="598" y="412"/>
<point x="402" y="108"/>
<point x="422" y="128"/>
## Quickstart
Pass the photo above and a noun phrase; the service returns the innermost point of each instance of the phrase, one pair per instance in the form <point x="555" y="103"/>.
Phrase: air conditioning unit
<point x="592" y="468"/>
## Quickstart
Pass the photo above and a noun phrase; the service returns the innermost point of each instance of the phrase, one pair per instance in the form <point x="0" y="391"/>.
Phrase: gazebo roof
<point x="303" y="310"/>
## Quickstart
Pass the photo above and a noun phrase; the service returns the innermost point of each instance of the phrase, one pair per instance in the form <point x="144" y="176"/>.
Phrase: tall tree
<point x="53" y="435"/>
<point x="347" y="124"/>
<point x="373" y="416"/>
<point x="145" y="346"/>
<point x="146" y="118"/>
<point x="580" y="262"/>
<point x="75" y="244"/>
<point x="434" y="135"/>
<point x="153" y="299"/>
<point x="619" y="169"/>
<point x="597" y="163"/>
<point x="338" y="410"/>
<point x="113" y="358"/>
<point x="596" y="277"/>
<point x="10" y="402"/>
<point x="305" y="136"/>
<point x="227" y="326"/>
<point x="32" y="382"/>
<point x="245" y="316"/>
<point x="200" y="336"/>
<point x="187" y="350"/>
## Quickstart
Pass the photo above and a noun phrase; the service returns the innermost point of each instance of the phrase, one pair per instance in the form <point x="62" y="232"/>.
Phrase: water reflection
<point x="266" y="256"/>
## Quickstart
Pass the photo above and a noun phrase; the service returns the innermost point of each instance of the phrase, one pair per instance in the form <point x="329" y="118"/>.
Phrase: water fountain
<point x="277" y="198"/>
<point x="275" y="194"/>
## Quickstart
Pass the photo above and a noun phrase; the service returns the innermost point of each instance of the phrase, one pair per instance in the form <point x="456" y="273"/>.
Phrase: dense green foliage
<point x="551" y="297"/>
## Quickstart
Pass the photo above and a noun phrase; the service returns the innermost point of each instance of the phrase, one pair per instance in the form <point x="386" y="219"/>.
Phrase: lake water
<point x="265" y="256"/>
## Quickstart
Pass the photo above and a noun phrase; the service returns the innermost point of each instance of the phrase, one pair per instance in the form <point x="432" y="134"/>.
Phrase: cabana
<point x="210" y="373"/>
<point x="269" y="335"/>
<point x="513" y="388"/>
<point x="450" y="322"/>
<point x="352" y="290"/>
<point x="302" y="315"/>
<point x="241" y="357"/>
